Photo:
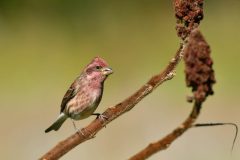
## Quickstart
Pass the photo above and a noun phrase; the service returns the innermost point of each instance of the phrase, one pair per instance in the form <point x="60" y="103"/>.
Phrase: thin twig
<point x="219" y="124"/>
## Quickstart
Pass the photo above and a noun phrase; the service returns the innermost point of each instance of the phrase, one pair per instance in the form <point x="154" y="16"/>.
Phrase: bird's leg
<point x="80" y="131"/>
<point x="76" y="129"/>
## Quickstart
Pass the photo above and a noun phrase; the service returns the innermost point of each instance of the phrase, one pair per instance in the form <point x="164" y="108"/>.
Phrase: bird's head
<point x="98" y="69"/>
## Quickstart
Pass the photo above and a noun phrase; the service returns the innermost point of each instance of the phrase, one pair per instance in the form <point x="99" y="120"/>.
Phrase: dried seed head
<point x="198" y="66"/>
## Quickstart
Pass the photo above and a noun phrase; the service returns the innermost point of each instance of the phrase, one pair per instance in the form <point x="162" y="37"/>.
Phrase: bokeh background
<point x="45" y="44"/>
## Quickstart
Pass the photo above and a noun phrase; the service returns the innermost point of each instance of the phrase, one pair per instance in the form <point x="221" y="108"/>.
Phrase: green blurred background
<point x="45" y="44"/>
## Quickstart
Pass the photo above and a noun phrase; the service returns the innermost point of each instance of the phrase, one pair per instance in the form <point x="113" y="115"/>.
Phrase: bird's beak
<point x="106" y="71"/>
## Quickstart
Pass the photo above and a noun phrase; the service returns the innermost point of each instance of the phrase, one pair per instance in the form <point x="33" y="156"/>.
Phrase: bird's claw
<point x="79" y="131"/>
<point x="102" y="117"/>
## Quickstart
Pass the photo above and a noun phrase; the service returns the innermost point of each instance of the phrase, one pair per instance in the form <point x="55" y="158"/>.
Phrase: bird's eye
<point x="98" y="67"/>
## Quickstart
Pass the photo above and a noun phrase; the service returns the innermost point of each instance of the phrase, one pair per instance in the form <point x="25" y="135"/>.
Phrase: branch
<point x="198" y="70"/>
<point x="113" y="112"/>
<point x="168" y="139"/>
<point x="201" y="83"/>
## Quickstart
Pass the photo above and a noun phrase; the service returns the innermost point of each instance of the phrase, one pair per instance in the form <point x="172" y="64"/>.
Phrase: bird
<point x="84" y="95"/>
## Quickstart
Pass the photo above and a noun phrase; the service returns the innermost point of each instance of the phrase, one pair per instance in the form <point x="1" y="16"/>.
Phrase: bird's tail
<point x="58" y="123"/>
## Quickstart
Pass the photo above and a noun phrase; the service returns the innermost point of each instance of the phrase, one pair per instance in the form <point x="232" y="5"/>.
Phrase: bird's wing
<point x="71" y="92"/>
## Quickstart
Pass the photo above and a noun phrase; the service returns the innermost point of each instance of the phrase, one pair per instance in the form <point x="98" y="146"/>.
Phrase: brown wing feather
<point x="71" y="92"/>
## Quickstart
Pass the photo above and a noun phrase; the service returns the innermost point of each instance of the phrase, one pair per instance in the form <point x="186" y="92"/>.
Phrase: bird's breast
<point x="84" y="104"/>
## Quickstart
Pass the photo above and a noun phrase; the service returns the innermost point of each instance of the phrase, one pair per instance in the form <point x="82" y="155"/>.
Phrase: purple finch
<point x="85" y="93"/>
